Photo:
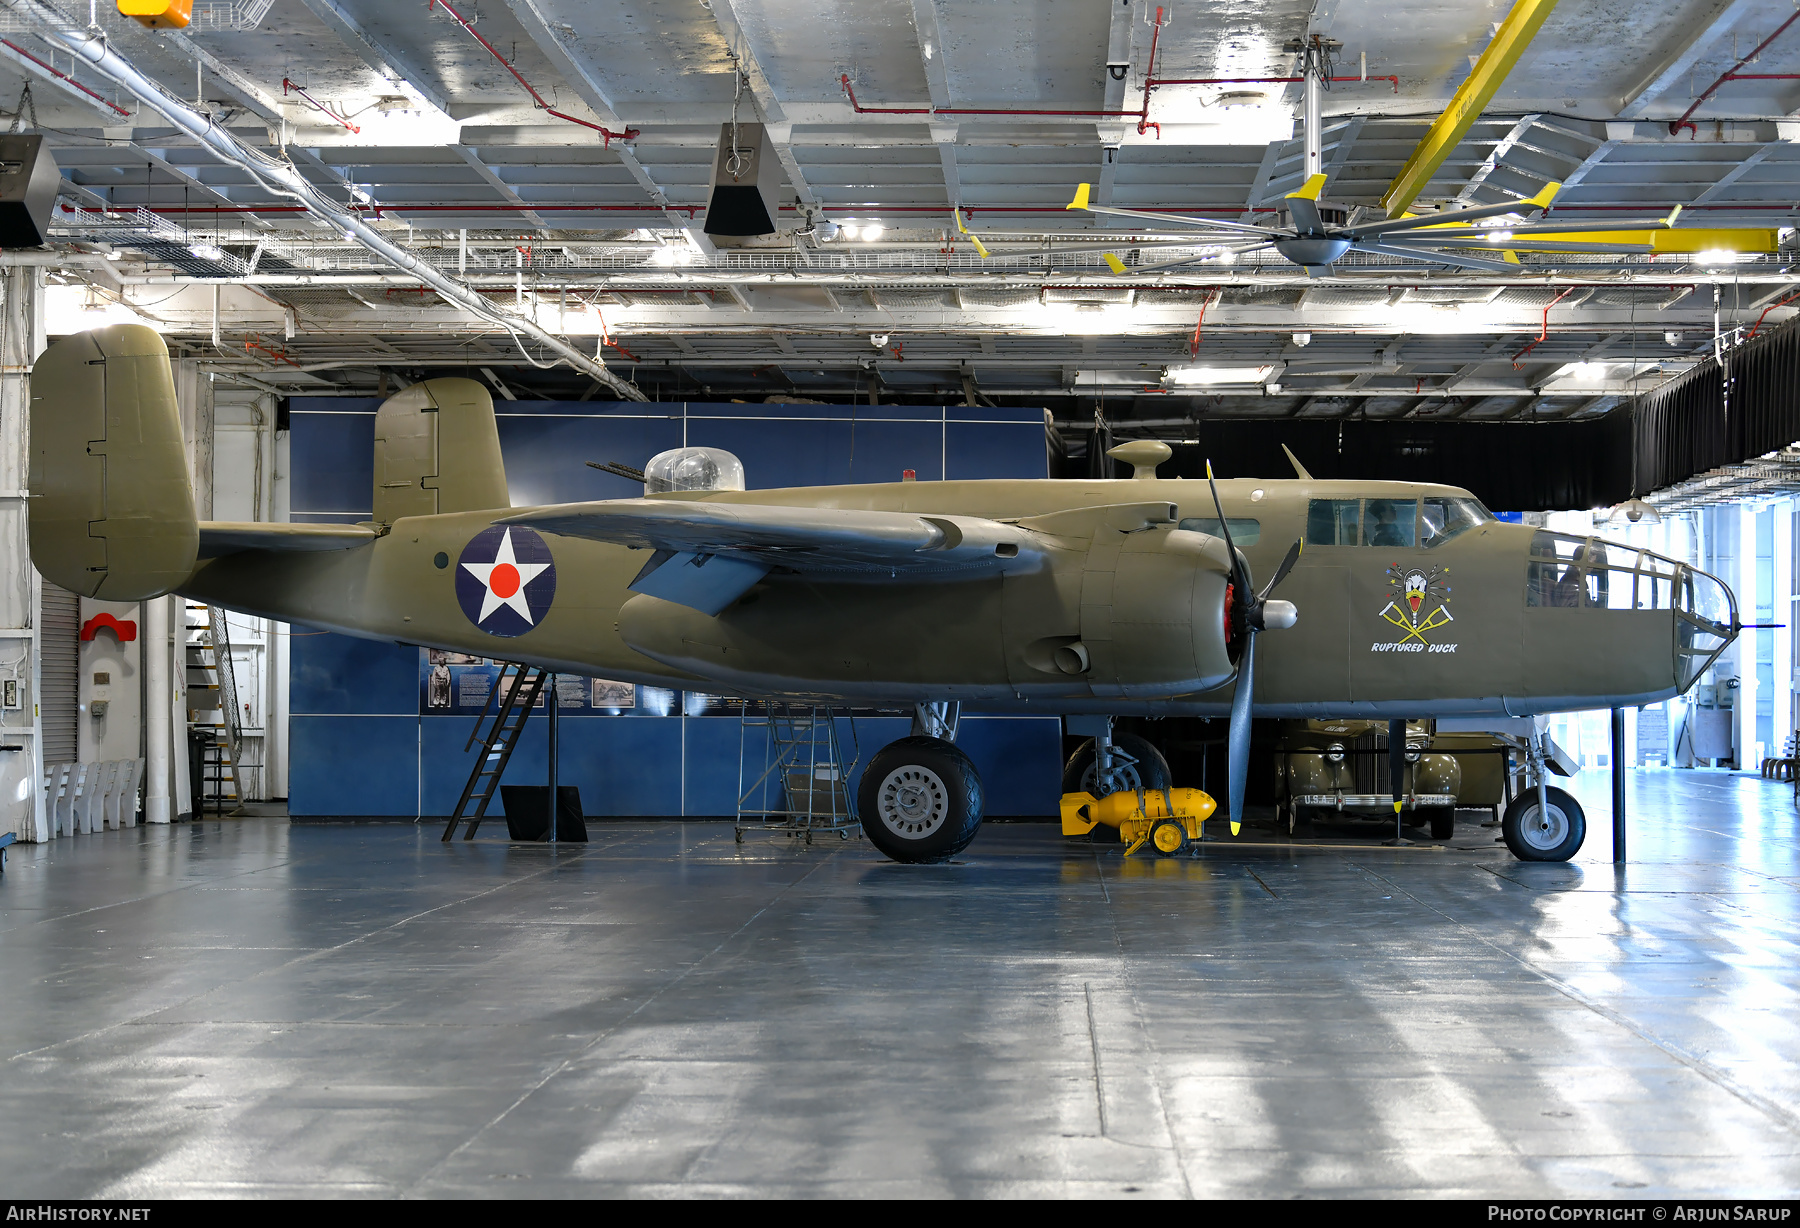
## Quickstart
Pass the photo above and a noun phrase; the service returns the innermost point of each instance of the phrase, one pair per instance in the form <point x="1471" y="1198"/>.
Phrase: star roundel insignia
<point x="505" y="580"/>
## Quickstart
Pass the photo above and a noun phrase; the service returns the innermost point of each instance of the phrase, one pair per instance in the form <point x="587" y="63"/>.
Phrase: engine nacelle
<point x="1152" y="614"/>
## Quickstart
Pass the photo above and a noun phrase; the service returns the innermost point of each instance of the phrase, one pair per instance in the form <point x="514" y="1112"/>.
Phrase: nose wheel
<point x="1553" y="832"/>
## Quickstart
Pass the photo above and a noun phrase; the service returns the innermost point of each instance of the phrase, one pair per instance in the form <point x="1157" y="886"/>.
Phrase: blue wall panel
<point x="353" y="766"/>
<point x="340" y="674"/>
<point x="357" y="737"/>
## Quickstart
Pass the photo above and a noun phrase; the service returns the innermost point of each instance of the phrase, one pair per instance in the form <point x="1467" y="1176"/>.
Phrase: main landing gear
<point x="921" y="799"/>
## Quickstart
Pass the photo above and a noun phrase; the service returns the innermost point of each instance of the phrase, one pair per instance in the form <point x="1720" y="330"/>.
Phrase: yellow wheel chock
<point x="1166" y="819"/>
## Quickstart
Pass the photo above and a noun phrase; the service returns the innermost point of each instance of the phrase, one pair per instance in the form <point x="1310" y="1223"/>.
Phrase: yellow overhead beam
<point x="1669" y="242"/>
<point x="1515" y="35"/>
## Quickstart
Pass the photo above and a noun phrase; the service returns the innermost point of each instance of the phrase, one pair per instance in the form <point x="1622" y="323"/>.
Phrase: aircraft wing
<point x="221" y="537"/>
<point x="708" y="554"/>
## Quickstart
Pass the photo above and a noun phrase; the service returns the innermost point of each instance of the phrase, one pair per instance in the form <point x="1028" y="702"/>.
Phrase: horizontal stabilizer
<point x="221" y="537"/>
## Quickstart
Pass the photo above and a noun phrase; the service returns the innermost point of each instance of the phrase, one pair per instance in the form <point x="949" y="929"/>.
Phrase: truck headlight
<point x="1335" y="752"/>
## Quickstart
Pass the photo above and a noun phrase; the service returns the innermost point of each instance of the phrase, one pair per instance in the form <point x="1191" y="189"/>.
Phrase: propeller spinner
<point x="1247" y="614"/>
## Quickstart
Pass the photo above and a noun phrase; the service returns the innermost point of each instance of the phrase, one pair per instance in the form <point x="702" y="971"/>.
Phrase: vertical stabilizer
<point x="437" y="450"/>
<point x="112" y="511"/>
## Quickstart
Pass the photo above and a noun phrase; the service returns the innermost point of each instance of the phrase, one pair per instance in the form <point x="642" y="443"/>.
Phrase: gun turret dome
<point x="693" y="469"/>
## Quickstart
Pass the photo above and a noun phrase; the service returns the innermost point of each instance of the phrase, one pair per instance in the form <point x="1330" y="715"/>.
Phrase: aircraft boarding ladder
<point x="498" y="743"/>
<point x="801" y="782"/>
<point x="212" y="692"/>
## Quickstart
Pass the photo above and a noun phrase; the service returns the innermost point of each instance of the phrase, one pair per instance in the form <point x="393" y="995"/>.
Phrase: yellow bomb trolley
<point x="1169" y="820"/>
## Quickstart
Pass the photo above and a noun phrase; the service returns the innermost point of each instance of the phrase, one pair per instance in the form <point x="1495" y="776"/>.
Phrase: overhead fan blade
<point x="1081" y="202"/>
<point x="1459" y="217"/>
<point x="1454" y="230"/>
<point x="1287" y="565"/>
<point x="1237" y="739"/>
<point x="1235" y="250"/>
<point x="1305" y="215"/>
<point x="1437" y="257"/>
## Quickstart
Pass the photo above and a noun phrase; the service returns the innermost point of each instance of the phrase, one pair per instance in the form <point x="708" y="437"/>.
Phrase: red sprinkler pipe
<point x="607" y="135"/>
<point x="289" y="87"/>
<point x="1732" y="74"/>
<point x="1518" y="359"/>
<point x="64" y="77"/>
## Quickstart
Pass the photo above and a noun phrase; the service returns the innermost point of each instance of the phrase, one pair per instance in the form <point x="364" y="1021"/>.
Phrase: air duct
<point x="92" y="46"/>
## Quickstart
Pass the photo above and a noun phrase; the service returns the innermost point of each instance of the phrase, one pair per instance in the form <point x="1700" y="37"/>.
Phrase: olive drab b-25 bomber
<point x="1086" y="598"/>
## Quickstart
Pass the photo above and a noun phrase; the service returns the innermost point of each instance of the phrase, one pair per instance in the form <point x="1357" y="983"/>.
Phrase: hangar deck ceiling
<point x="591" y="225"/>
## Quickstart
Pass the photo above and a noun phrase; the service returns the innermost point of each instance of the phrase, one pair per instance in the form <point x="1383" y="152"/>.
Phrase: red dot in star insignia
<point x="504" y="580"/>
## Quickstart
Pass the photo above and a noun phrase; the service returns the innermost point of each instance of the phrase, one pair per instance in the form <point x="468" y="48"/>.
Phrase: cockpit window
<point x="1583" y="573"/>
<point x="1389" y="522"/>
<point x="1443" y="518"/>
<point x="1332" y="522"/>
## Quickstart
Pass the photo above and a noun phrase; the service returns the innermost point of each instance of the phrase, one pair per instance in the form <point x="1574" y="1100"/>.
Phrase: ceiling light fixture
<point x="1717" y="256"/>
<point x="872" y="232"/>
<point x="1208" y="376"/>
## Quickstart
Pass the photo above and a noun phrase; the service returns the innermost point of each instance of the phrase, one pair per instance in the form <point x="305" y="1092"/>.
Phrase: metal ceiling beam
<point x="1495" y="155"/>
<point x="1737" y="172"/>
<point x="473" y="161"/>
<point x="1679" y="60"/>
<point x="586" y="82"/>
<point x="376" y="54"/>
<point x="282" y="178"/>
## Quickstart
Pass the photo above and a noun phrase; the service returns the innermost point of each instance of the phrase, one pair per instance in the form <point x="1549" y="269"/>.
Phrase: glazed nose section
<point x="1706" y="624"/>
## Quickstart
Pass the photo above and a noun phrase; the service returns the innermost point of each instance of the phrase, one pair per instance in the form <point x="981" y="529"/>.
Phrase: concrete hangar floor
<point x="255" y="1007"/>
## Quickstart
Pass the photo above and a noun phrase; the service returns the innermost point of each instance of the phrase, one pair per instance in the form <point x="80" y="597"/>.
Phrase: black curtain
<point x="1680" y="429"/>
<point x="1762" y="405"/>
<point x="1510" y="466"/>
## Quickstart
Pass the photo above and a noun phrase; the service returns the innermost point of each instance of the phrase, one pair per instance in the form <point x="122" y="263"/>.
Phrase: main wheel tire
<point x="920" y="800"/>
<point x="1151" y="771"/>
<point x="1443" y="822"/>
<point x="1555" y="836"/>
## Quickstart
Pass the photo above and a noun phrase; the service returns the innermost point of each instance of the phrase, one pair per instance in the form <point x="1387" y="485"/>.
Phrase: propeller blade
<point x="1237" y="741"/>
<point x="1287" y="565"/>
<point x="1397" y="766"/>
<point x="1240" y="573"/>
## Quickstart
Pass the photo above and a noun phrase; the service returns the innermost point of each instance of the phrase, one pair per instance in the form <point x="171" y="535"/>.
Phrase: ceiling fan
<point x="1316" y="244"/>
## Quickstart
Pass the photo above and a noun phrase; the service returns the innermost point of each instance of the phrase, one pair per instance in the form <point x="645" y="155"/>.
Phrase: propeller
<point x="1247" y="613"/>
<point x="1397" y="771"/>
<point x="1316" y="244"/>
